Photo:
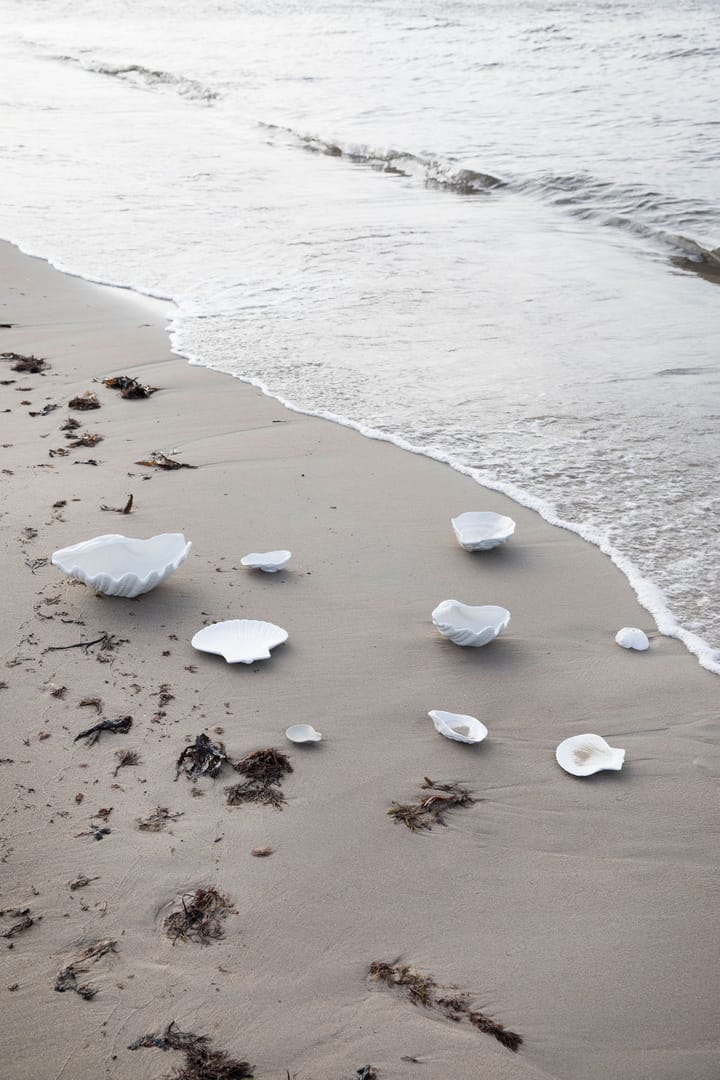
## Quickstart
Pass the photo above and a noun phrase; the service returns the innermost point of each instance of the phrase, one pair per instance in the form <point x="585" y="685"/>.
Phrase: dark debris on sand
<point x="202" y="1062"/>
<point x="264" y="771"/>
<point x="431" y="809"/>
<point x="158" y="819"/>
<point x="200" y="917"/>
<point x="128" y="387"/>
<point x="121" y="726"/>
<point x="32" y="365"/>
<point x="67" y="978"/>
<point x="88" y="400"/>
<point x="126" y="509"/>
<point x="201" y="758"/>
<point x="159" y="460"/>
<point x="423" y="990"/>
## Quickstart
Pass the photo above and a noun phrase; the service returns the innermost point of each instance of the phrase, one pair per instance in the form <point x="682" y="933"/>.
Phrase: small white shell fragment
<point x="457" y="726"/>
<point x="632" y="638"/>
<point x="300" y="733"/>
<point x="466" y="625"/>
<point x="268" y="561"/>
<point x="583" y="755"/>
<point x="482" y="530"/>
<point x="121" y="565"/>
<point x="240" y="641"/>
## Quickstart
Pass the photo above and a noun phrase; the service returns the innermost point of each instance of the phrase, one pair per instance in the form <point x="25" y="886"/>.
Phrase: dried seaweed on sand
<point x="159" y="818"/>
<point x="67" y="978"/>
<point x="121" y="726"/>
<point x="126" y="758"/>
<point x="423" y="990"/>
<point x="126" y="509"/>
<point x="32" y="365"/>
<point x="86" y="440"/>
<point x="431" y="809"/>
<point x="129" y="387"/>
<point x="159" y="460"/>
<point x="201" y="1061"/>
<point x="263" y="771"/>
<point x="201" y="758"/>
<point x="200" y="917"/>
<point x="71" y="424"/>
<point x="25" y="921"/>
<point x="88" y="400"/>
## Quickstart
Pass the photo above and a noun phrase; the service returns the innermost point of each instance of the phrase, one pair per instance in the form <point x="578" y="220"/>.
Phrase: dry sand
<point x="581" y="914"/>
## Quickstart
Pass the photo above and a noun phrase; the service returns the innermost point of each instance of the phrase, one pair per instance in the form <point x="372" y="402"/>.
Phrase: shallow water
<point x="465" y="227"/>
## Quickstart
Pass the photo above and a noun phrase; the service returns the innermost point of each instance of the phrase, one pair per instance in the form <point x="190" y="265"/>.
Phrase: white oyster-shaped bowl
<point x="456" y="726"/>
<point x="466" y="625"/>
<point x="240" y="641"/>
<point x="632" y="638"/>
<point x="481" y="530"/>
<point x="269" y="561"/>
<point x="122" y="566"/>
<point x="583" y="755"/>
<point x="302" y="733"/>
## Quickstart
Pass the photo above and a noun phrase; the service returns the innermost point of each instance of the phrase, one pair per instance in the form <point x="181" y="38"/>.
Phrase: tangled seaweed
<point x="263" y="771"/>
<point x="121" y="726"/>
<point x="128" y="387"/>
<point x="88" y="400"/>
<point x="201" y="917"/>
<point x="201" y="1061"/>
<point x="31" y="365"/>
<point x="201" y="758"/>
<point x="431" y="809"/>
<point x="159" y="460"/>
<point x="67" y="978"/>
<point x="423" y="990"/>
<point x="159" y="818"/>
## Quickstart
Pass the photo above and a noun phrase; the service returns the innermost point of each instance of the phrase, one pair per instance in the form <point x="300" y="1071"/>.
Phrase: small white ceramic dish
<point x="122" y="566"/>
<point x="268" y="561"/>
<point x="481" y="530"/>
<point x="583" y="755"/>
<point x="301" y="733"/>
<point x="457" y="726"/>
<point x="632" y="638"/>
<point x="240" y="641"/>
<point x="466" y="625"/>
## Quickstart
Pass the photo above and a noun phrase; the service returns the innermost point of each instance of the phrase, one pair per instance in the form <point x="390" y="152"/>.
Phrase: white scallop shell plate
<point x="301" y="733"/>
<point x="583" y="755"/>
<point x="466" y="625"/>
<point x="269" y="561"/>
<point x="481" y="530"/>
<point x="122" y="566"/>
<point x="632" y="638"/>
<point x="457" y="726"/>
<point x="240" y="641"/>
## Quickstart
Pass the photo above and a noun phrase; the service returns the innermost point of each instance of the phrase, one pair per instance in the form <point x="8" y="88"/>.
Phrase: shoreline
<point x="604" y="965"/>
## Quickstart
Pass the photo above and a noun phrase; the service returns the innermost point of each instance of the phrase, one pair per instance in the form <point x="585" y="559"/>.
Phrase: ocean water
<point x="487" y="231"/>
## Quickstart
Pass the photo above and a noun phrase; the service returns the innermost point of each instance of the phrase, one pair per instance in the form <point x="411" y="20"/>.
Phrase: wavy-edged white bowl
<point x="482" y="530"/>
<point x="632" y="638"/>
<point x="466" y="625"/>
<point x="122" y="566"/>
<point x="268" y="561"/>
<point x="583" y="755"/>
<point x="301" y="733"/>
<point x="240" y="641"/>
<point x="457" y="726"/>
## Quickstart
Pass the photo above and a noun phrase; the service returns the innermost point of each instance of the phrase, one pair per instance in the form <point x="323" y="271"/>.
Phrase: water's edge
<point x="649" y="595"/>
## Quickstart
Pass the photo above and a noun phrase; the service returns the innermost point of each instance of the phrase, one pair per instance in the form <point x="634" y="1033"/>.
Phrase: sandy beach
<point x="579" y="914"/>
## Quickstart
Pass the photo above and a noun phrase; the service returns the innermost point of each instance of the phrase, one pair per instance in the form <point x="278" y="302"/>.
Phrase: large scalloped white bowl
<point x="268" y="561"/>
<point x="482" y="530"/>
<point x="466" y="625"/>
<point x="240" y="641"/>
<point x="458" y="726"/>
<point x="121" y="565"/>
<point x="583" y="755"/>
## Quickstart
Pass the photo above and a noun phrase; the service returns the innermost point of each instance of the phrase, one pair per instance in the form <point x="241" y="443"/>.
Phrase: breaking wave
<point x="147" y="79"/>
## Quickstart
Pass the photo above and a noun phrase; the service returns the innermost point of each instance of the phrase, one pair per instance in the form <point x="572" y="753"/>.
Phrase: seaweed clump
<point x="159" y="460"/>
<point x="88" y="400"/>
<point x="201" y="758"/>
<point x="67" y="979"/>
<point x="128" y="387"/>
<point x="31" y="365"/>
<point x="431" y="809"/>
<point x="200" y="918"/>
<point x="264" y="771"/>
<point x="423" y="990"/>
<point x="202" y="1062"/>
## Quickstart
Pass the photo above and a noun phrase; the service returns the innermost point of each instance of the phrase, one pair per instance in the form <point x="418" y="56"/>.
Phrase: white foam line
<point x="649" y="595"/>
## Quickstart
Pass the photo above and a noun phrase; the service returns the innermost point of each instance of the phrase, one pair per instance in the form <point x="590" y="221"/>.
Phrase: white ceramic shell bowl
<point x="302" y="733"/>
<point x="466" y="625"/>
<point x="630" y="637"/>
<point x="457" y="726"/>
<point x="268" y="561"/>
<point x="122" y="566"/>
<point x="583" y="755"/>
<point x="240" y="641"/>
<point x="482" y="530"/>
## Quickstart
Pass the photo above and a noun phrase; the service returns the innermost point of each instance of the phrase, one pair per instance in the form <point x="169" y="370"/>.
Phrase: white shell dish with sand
<point x="457" y="726"/>
<point x="240" y="641"/>
<point x="583" y="755"/>
<point x="302" y="733"/>
<point x="122" y="566"/>
<point x="466" y="625"/>
<point x="482" y="530"/>
<point x="268" y="561"/>
<point x="632" y="638"/>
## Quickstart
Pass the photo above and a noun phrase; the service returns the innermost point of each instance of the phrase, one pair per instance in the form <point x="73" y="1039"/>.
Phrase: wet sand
<point x="580" y="914"/>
